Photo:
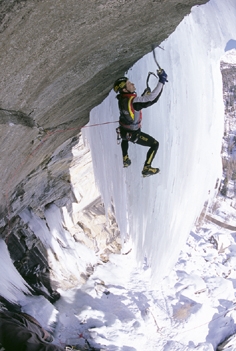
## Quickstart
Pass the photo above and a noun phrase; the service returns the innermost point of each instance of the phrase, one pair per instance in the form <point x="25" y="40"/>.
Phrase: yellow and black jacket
<point x="130" y="106"/>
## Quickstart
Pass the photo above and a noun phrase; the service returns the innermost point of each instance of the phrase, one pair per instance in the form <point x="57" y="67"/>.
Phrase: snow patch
<point x="13" y="286"/>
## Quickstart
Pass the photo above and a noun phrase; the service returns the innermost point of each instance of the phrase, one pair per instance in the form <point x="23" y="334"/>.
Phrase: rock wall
<point x="58" y="61"/>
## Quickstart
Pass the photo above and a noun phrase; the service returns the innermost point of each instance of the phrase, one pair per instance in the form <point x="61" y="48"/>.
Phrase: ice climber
<point x="130" y="106"/>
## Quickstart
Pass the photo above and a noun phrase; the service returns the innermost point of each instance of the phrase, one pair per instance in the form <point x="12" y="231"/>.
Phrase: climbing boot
<point x="148" y="171"/>
<point x="126" y="161"/>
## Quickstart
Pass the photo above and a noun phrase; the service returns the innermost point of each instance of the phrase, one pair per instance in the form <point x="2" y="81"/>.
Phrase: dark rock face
<point x="58" y="61"/>
<point x="30" y="259"/>
<point x="228" y="186"/>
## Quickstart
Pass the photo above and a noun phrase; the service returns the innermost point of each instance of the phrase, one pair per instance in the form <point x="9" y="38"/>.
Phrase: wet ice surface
<point x="157" y="213"/>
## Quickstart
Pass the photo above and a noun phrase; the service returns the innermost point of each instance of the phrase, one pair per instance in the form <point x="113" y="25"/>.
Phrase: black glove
<point x="162" y="76"/>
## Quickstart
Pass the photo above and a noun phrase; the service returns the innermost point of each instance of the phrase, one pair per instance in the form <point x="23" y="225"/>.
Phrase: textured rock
<point x="77" y="218"/>
<point x="57" y="61"/>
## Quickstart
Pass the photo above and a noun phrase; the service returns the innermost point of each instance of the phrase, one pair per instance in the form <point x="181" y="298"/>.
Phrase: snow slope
<point x="157" y="213"/>
<point x="118" y="309"/>
<point x="230" y="57"/>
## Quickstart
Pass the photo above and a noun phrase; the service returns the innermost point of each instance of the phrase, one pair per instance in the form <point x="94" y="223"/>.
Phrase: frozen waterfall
<point x="157" y="213"/>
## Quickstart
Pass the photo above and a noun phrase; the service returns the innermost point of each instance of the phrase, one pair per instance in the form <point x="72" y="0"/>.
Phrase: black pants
<point x="139" y="138"/>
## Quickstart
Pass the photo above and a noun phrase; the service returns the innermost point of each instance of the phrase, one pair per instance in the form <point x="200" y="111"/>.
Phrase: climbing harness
<point x="118" y="138"/>
<point x="127" y="136"/>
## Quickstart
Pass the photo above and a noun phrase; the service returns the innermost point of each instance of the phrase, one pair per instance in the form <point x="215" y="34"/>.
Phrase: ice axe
<point x="154" y="56"/>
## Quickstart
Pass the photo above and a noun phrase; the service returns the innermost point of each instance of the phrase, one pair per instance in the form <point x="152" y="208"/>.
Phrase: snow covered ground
<point x="230" y="57"/>
<point x="194" y="307"/>
<point x="195" y="304"/>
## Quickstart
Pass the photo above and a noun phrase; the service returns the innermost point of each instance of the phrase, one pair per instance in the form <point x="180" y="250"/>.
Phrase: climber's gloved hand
<point x="162" y="76"/>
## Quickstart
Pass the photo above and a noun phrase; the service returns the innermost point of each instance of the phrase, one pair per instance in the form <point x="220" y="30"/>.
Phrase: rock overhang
<point x="58" y="61"/>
